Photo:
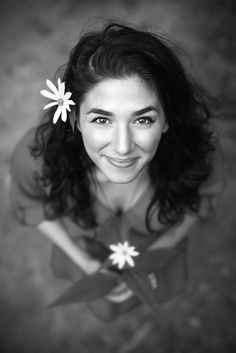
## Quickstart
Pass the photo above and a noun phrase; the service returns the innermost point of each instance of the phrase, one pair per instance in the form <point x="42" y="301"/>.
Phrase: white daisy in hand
<point x="123" y="253"/>
<point x="61" y="99"/>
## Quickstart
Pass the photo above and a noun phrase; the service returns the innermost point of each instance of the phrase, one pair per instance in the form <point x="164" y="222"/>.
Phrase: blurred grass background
<point x="35" y="38"/>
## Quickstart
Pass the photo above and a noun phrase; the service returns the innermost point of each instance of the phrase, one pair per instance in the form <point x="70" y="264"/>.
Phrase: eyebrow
<point x="138" y="112"/>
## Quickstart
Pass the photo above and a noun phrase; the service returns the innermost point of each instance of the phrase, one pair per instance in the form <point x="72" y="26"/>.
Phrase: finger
<point x="119" y="289"/>
<point x="153" y="280"/>
<point x="120" y="297"/>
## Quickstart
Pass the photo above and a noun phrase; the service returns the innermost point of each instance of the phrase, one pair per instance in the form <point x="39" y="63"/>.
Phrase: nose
<point x="122" y="140"/>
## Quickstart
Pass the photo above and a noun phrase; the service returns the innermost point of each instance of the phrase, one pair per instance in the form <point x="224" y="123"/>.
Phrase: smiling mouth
<point x="121" y="163"/>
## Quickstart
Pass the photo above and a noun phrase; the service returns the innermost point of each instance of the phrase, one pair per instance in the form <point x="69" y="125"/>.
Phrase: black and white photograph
<point x="118" y="176"/>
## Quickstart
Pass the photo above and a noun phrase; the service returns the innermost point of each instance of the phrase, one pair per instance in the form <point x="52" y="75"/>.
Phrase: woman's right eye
<point x="101" y="121"/>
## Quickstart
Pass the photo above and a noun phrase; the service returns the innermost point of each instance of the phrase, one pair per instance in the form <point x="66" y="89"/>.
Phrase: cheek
<point x="93" y="140"/>
<point x="149" y="142"/>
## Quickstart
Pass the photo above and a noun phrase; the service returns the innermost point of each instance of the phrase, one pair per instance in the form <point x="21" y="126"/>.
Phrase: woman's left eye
<point x="145" y="121"/>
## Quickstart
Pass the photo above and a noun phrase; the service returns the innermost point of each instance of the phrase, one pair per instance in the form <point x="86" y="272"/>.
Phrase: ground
<point x="35" y="39"/>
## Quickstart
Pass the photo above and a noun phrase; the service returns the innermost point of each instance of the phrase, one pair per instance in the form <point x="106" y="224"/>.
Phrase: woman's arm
<point x="176" y="234"/>
<point x="56" y="232"/>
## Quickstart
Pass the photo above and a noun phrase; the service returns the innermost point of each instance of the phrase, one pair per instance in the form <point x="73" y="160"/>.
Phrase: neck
<point x="121" y="196"/>
<point x="100" y="178"/>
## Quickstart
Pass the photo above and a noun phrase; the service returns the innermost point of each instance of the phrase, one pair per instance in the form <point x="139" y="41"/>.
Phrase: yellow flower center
<point x="60" y="101"/>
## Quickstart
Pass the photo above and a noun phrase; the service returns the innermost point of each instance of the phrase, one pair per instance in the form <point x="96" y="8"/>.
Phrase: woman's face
<point x="121" y="122"/>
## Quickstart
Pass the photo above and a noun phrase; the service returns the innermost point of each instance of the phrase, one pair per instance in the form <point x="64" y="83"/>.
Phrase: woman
<point x="130" y="159"/>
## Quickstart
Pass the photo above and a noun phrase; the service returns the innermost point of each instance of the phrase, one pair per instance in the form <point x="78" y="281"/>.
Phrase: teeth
<point x="125" y="161"/>
<point x="124" y="164"/>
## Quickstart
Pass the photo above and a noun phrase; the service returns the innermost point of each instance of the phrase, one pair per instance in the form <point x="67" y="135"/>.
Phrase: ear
<point x="78" y="126"/>
<point x="165" y="127"/>
<point x="73" y="120"/>
<point x="77" y="122"/>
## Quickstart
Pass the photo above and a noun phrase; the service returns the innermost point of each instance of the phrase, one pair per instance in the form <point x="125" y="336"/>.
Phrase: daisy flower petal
<point x="48" y="94"/>
<point x="131" y="248"/>
<point x="61" y="88"/>
<point x="67" y="95"/>
<point x="52" y="87"/>
<point x="116" y="261"/>
<point x="113" y="257"/>
<point x="49" y="105"/>
<point x="113" y="247"/>
<point x="71" y="102"/>
<point x="134" y="253"/>
<point x="63" y="114"/>
<point x="67" y="106"/>
<point x="130" y="261"/>
<point x="57" y="114"/>
<point x="126" y="244"/>
<point x="121" y="263"/>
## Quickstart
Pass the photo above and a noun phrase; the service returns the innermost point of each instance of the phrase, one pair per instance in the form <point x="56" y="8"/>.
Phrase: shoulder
<point x="27" y="193"/>
<point x="27" y="140"/>
<point x="217" y="163"/>
<point x="212" y="189"/>
<point x="21" y="158"/>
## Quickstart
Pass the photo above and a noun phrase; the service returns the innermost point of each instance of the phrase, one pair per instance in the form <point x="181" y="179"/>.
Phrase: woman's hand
<point x="92" y="266"/>
<point x="120" y="293"/>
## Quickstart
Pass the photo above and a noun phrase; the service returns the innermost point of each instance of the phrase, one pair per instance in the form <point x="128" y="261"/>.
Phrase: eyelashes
<point x="101" y="121"/>
<point x="140" y="121"/>
<point x="145" y="120"/>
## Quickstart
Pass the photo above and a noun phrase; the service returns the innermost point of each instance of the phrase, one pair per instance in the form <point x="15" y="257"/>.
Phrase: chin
<point x="121" y="179"/>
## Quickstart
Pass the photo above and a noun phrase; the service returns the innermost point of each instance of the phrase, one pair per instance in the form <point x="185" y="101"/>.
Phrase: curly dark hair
<point x="183" y="158"/>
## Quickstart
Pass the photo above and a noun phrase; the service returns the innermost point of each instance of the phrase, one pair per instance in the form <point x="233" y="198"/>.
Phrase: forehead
<point x="114" y="92"/>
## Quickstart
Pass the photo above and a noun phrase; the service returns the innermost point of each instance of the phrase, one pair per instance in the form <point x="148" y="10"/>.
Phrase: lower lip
<point x="124" y="164"/>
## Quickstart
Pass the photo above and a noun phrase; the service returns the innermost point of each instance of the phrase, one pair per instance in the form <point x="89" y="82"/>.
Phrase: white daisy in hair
<point x="122" y="254"/>
<point x="60" y="98"/>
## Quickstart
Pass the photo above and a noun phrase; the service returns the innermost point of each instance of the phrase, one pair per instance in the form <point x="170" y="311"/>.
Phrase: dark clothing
<point x="28" y="195"/>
